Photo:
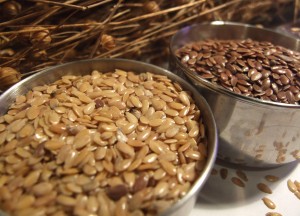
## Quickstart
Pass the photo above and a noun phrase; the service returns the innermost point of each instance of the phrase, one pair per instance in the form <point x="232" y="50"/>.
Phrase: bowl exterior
<point x="251" y="132"/>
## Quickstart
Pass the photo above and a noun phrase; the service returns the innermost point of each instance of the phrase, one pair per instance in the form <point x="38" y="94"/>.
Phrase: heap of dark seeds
<point x="257" y="69"/>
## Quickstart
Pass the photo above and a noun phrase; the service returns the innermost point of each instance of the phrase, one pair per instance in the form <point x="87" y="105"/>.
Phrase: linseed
<point x="291" y="186"/>
<point x="269" y="203"/>
<point x="271" y="178"/>
<point x="242" y="175"/>
<point x="264" y="188"/>
<point x="101" y="144"/>
<point x="223" y="173"/>
<point x="257" y="69"/>
<point x="273" y="214"/>
<point x="237" y="182"/>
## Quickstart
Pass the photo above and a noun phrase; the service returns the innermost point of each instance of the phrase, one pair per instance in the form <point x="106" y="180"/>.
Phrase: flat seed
<point x="33" y="112"/>
<point x="129" y="178"/>
<point x="271" y="178"/>
<point x="17" y="125"/>
<point x="264" y="188"/>
<point x="26" y="131"/>
<point x="82" y="139"/>
<point x="242" y="175"/>
<point x="184" y="98"/>
<point x="155" y="122"/>
<point x="103" y="119"/>
<point x="66" y="200"/>
<point x="223" y="173"/>
<point x="42" y="188"/>
<point x="171" y="112"/>
<point x="256" y="76"/>
<point x="161" y="189"/>
<point x="291" y="186"/>
<point x="125" y="148"/>
<point x="150" y="158"/>
<point x="89" y="108"/>
<point x="131" y="118"/>
<point x="2" y="127"/>
<point x="168" y="167"/>
<point x="176" y="106"/>
<point x="135" y="101"/>
<point x="25" y="201"/>
<point x="194" y="132"/>
<point x="158" y="104"/>
<point x="122" y="165"/>
<point x="159" y="174"/>
<point x="128" y="128"/>
<point x="273" y="214"/>
<point x="116" y="192"/>
<point x="54" y="144"/>
<point x="144" y="135"/>
<point x="171" y="132"/>
<point x="237" y="182"/>
<point x="157" y="147"/>
<point x="269" y="203"/>
<point x="144" y="120"/>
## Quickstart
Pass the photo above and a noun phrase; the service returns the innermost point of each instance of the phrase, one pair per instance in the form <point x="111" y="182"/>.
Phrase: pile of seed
<point x="115" y="143"/>
<point x="256" y="69"/>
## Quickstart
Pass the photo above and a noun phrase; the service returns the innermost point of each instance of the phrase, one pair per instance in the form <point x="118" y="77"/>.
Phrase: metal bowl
<point x="184" y="205"/>
<point x="252" y="132"/>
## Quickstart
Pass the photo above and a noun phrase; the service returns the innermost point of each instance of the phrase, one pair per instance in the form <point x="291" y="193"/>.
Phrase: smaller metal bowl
<point x="184" y="205"/>
<point x="252" y="132"/>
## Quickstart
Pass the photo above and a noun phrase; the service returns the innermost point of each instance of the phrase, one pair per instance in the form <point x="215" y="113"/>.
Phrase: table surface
<point x="220" y="197"/>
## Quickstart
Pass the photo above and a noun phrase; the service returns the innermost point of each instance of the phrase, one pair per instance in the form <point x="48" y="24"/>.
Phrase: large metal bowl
<point x="184" y="205"/>
<point x="252" y="132"/>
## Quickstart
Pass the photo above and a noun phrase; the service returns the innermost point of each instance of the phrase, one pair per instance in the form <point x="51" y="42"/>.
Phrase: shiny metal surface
<point x="252" y="132"/>
<point x="183" y="206"/>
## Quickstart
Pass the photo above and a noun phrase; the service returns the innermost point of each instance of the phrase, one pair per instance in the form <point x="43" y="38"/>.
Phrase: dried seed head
<point x="151" y="7"/>
<point x="37" y="36"/>
<point x="7" y="52"/>
<point x="108" y="42"/>
<point x="8" y="77"/>
<point x="11" y="8"/>
<point x="40" y="54"/>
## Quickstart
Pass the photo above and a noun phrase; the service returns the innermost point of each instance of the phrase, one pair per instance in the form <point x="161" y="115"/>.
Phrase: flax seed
<point x="269" y="203"/>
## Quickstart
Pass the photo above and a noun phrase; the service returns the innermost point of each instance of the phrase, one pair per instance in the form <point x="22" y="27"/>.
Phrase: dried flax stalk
<point x="35" y="34"/>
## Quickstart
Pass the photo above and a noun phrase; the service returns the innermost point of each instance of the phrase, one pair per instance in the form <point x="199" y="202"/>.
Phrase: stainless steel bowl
<point x="184" y="205"/>
<point x="252" y="132"/>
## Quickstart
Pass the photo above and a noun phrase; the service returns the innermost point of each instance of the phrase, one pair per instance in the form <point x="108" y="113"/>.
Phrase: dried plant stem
<point x="60" y="4"/>
<point x="150" y="15"/>
<point x="164" y="28"/>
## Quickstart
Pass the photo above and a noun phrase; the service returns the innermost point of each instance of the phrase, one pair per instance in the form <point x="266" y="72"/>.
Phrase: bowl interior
<point x="227" y="31"/>
<point x="105" y="65"/>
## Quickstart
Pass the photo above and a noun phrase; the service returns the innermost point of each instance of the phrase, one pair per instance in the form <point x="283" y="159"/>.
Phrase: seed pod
<point x="11" y="8"/>
<point x="151" y="7"/>
<point x="108" y="42"/>
<point x="7" y="52"/>
<point x="8" y="77"/>
<point x="37" y="36"/>
<point x="40" y="54"/>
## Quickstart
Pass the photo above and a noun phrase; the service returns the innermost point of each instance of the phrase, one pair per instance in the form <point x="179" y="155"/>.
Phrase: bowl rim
<point x="217" y="88"/>
<point x="212" y="152"/>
